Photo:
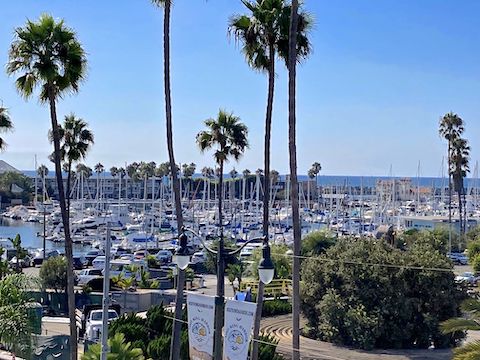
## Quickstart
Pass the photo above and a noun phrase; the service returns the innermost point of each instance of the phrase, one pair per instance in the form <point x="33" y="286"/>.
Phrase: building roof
<point x="5" y="167"/>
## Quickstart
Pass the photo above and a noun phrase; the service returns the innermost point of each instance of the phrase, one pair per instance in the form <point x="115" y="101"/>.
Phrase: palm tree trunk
<point x="66" y="227"/>
<point x="459" y="195"/>
<point x="292" y="145"/>
<point x="219" y="300"/>
<point x="449" y="198"/>
<point x="266" y="191"/>
<point x="177" y="326"/>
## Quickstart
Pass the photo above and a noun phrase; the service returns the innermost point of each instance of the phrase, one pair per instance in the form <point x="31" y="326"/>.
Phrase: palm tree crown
<point x="5" y="125"/>
<point x="226" y="134"/>
<point x="75" y="137"/>
<point x="46" y="54"/>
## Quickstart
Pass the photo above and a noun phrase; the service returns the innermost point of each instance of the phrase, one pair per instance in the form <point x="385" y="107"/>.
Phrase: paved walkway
<point x="281" y="328"/>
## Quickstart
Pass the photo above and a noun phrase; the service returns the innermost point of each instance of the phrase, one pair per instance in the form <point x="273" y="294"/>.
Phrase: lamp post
<point x="265" y="272"/>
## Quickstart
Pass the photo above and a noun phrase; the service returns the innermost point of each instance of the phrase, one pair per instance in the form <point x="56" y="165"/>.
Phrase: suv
<point x="79" y="262"/>
<point x="458" y="258"/>
<point x="92" y="254"/>
<point x="38" y="258"/>
<point x="164" y="256"/>
<point x="86" y="275"/>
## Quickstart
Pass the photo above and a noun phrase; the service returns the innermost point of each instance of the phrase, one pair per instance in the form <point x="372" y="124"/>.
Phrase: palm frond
<point x="469" y="351"/>
<point x="458" y="324"/>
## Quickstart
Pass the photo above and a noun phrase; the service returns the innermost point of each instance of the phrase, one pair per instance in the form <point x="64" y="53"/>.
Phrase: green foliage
<point x="476" y="263"/>
<point x="119" y="349"/>
<point x="276" y="307"/>
<point x="8" y="180"/>
<point x="133" y="328"/>
<point x="16" y="324"/>
<point x="235" y="271"/>
<point x="211" y="263"/>
<point x="20" y="252"/>
<point x="351" y="302"/>
<point x="437" y="238"/>
<point x="474" y="233"/>
<point x="317" y="243"/>
<point x="4" y="268"/>
<point x="53" y="273"/>
<point x="145" y="282"/>
<point x="268" y="351"/>
<point x="160" y="348"/>
<point x="473" y="250"/>
<point x="281" y="261"/>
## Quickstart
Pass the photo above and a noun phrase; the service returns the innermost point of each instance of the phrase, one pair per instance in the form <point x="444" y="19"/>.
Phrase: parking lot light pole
<point x="265" y="272"/>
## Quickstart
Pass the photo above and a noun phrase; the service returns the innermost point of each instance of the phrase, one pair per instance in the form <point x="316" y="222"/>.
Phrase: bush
<point x="276" y="307"/>
<point x="53" y="273"/>
<point x="473" y="250"/>
<point x="357" y="304"/>
<point x="476" y="263"/>
<point x="268" y="351"/>
<point x="282" y="262"/>
<point x="317" y="243"/>
<point x="160" y="348"/>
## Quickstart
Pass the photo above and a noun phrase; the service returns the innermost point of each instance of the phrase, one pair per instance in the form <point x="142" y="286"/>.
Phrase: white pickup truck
<point x="93" y="327"/>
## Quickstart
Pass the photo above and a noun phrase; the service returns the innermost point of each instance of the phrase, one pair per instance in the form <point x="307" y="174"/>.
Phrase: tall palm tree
<point x="227" y="136"/>
<point x="451" y="127"/>
<point x="121" y="172"/>
<point x="460" y="167"/>
<point x="75" y="141"/>
<point x="47" y="54"/>
<point x="5" y="125"/>
<point x="99" y="169"/>
<point x="262" y="34"/>
<point x="472" y="349"/>
<point x="42" y="172"/>
<point x="292" y="147"/>
<point x="176" y="329"/>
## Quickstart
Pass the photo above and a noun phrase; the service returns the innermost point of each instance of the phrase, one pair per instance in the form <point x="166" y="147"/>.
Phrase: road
<point x="280" y="327"/>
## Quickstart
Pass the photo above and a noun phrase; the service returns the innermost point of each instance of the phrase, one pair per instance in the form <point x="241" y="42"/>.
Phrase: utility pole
<point x="106" y="298"/>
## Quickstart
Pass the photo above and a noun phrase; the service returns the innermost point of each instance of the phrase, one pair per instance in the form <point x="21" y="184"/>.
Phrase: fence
<point x="277" y="288"/>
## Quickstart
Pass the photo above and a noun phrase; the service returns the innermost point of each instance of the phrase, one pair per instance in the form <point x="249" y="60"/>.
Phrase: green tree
<point x="20" y="252"/>
<point x="470" y="307"/>
<point x="15" y="185"/>
<point x="167" y="5"/>
<point x="53" y="273"/>
<point x="4" y="268"/>
<point x="317" y="242"/>
<point x="48" y="55"/>
<point x="235" y="271"/>
<point x="281" y="260"/>
<point x="451" y="127"/>
<point x="5" y="125"/>
<point x="14" y="317"/>
<point x="459" y="169"/>
<point x="349" y="301"/>
<point x="75" y="141"/>
<point x="118" y="350"/>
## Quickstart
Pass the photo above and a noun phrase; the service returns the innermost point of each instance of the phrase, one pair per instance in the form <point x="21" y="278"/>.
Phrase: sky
<point x="369" y="97"/>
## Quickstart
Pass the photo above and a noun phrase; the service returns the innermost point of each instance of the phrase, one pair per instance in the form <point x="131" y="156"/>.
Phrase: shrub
<point x="476" y="263"/>
<point x="317" y="243"/>
<point x="276" y="307"/>
<point x="159" y="348"/>
<point x="53" y="273"/>
<point x="357" y="304"/>
<point x="473" y="250"/>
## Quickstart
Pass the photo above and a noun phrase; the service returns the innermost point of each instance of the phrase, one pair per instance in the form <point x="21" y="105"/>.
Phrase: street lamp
<point x="183" y="256"/>
<point x="265" y="272"/>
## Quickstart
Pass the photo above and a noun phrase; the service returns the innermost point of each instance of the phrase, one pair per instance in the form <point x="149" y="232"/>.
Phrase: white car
<point x="468" y="278"/>
<point x="198" y="258"/>
<point x="86" y="275"/>
<point x="164" y="256"/>
<point x="93" y="328"/>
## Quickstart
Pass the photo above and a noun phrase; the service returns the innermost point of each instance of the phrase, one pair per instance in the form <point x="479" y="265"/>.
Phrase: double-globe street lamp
<point x="266" y="272"/>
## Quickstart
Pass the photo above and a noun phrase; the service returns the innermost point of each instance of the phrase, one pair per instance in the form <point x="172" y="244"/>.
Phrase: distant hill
<point x="5" y="167"/>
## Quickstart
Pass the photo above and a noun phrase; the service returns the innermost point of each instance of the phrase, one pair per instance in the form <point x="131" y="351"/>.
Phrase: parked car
<point x="128" y="257"/>
<point x="458" y="258"/>
<point x="86" y="275"/>
<point x="164" y="256"/>
<point x="198" y="258"/>
<point x="89" y="320"/>
<point x="38" y="257"/>
<point x="116" y="252"/>
<point x="467" y="277"/>
<point x="23" y="263"/>
<point x="92" y="254"/>
<point x="140" y="254"/>
<point x="79" y="262"/>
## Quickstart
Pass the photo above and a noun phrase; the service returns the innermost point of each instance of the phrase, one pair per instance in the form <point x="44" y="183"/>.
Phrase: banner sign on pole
<point x="201" y="313"/>
<point x="239" y="317"/>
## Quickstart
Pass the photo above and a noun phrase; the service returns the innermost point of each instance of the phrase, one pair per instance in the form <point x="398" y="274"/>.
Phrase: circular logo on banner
<point x="199" y="331"/>
<point x="237" y="338"/>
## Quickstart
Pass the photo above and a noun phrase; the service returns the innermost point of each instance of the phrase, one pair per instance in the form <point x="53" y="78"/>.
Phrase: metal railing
<point x="277" y="287"/>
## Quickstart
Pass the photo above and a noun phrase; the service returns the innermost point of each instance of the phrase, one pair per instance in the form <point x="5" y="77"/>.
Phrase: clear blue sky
<point x="370" y="96"/>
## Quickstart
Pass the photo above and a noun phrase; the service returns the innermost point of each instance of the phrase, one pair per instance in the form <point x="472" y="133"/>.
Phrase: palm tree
<point x="472" y="349"/>
<point x="42" y="172"/>
<point x="451" y="127"/>
<point x="76" y="140"/>
<point x="47" y="54"/>
<point x="20" y="252"/>
<point x="460" y="167"/>
<point x="166" y="4"/>
<point x="121" y="174"/>
<point x="292" y="147"/>
<point x="227" y="136"/>
<point x="5" y="125"/>
<point x="315" y="170"/>
<point x="99" y="168"/>
<point x="263" y="34"/>
<point x="118" y="348"/>
<point x="133" y="173"/>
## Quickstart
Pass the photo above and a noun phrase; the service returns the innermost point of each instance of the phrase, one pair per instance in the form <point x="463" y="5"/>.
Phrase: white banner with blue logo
<point x="201" y="313"/>
<point x="239" y="317"/>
